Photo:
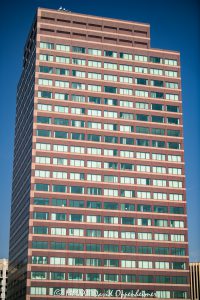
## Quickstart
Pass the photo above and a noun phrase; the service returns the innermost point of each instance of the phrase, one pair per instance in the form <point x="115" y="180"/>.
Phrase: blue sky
<point x="175" y="25"/>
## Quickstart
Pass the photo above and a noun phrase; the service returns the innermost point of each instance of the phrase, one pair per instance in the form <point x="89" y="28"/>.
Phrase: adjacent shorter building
<point x="3" y="278"/>
<point x="195" y="280"/>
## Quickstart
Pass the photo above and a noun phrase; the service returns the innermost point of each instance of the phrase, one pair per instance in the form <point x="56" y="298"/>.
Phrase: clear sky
<point x="175" y="25"/>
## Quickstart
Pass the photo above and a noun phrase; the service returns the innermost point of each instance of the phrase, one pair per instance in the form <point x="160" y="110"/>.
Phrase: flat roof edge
<point x="96" y="17"/>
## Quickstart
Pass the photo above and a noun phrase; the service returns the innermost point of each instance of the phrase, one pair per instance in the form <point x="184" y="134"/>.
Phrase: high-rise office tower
<point x="99" y="202"/>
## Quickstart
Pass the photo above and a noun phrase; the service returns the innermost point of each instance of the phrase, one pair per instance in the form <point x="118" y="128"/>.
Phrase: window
<point x="47" y="82"/>
<point x="127" y="56"/>
<point x="59" y="161"/>
<point x="141" y="81"/>
<point x="161" y="265"/>
<point x="125" y="79"/>
<point x="128" y="154"/>
<point x="93" y="232"/>
<point x="110" y="89"/>
<point x="78" y="49"/>
<point x="44" y="107"/>
<point x="45" y="94"/>
<point x="144" y="207"/>
<point x="108" y="101"/>
<point x="161" y="237"/>
<point x="58" y="217"/>
<point x="77" y="190"/>
<point x="61" y="71"/>
<point x="173" y="97"/>
<point x="143" y="195"/>
<point x="94" y="64"/>
<point x="141" y="70"/>
<point x="128" y="235"/>
<point x="110" y="192"/>
<point x="61" y="96"/>
<point x="145" y="264"/>
<point x="154" y="59"/>
<point x="58" y="231"/>
<point x="126" y="116"/>
<point x="127" y="206"/>
<point x="60" y="134"/>
<point x="94" y="76"/>
<point x="93" y="277"/>
<point x="42" y="160"/>
<point x="143" y="168"/>
<point x="45" y="69"/>
<point x="126" y="103"/>
<point x="143" y="155"/>
<point x="43" y="146"/>
<point x="96" y="52"/>
<point x="141" y="105"/>
<point x="156" y="106"/>
<point x="111" y="234"/>
<point x="75" y="276"/>
<point x="64" y="48"/>
<point x="156" y="72"/>
<point x="175" y="171"/>
<point x="77" y="98"/>
<point x="160" y="223"/>
<point x="141" y="58"/>
<point x="110" y="66"/>
<point x="171" y="73"/>
<point x="62" y="59"/>
<point x="172" y="85"/>
<point x="40" y="230"/>
<point x="42" y="187"/>
<point x="110" y="77"/>
<point x="110" y="114"/>
<point x="175" y="197"/>
<point x="126" y="68"/>
<point x="75" y="261"/>
<point x="126" y="180"/>
<point x="161" y="170"/>
<point x="61" y="121"/>
<point x="42" y="173"/>
<point x="93" y="219"/>
<point x="76" y="218"/>
<point x="139" y="93"/>
<point x="128" y="92"/>
<point x="38" y="291"/>
<point x="158" y="156"/>
<point x="39" y="260"/>
<point x="41" y="201"/>
<point x="111" y="277"/>
<point x="61" y="109"/>
<point x="128" y="264"/>
<point x="46" y="45"/>
<point x="144" y="222"/>
<point x="94" y="88"/>
<point x="157" y="83"/>
<point x="78" y="86"/>
<point x="94" y="112"/>
<point x="171" y="62"/>
<point x="77" y="61"/>
<point x="110" y="53"/>
<point x="46" y="57"/>
<point x="144" y="236"/>
<point x="78" y="74"/>
<point x="75" y="231"/>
